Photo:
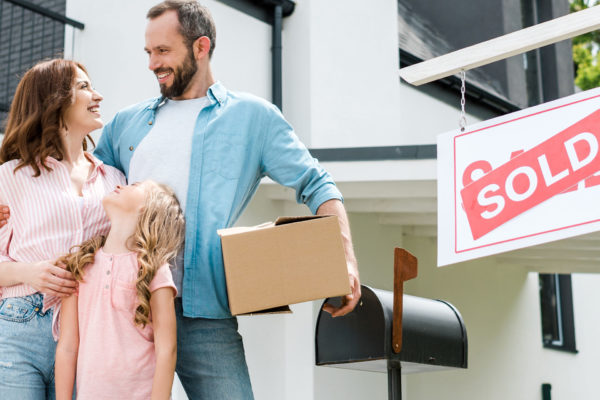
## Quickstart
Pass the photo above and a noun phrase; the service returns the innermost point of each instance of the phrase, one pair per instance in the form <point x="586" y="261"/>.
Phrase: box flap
<point x="242" y="229"/>
<point x="289" y="220"/>
<point x="269" y="311"/>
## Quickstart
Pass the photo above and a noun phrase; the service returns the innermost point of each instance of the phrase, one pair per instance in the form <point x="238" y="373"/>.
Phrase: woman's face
<point x="83" y="115"/>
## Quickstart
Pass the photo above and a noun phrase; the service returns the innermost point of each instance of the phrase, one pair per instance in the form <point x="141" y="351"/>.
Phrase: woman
<point x="54" y="189"/>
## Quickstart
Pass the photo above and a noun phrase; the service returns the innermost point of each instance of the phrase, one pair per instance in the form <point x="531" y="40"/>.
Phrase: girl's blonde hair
<point x="158" y="236"/>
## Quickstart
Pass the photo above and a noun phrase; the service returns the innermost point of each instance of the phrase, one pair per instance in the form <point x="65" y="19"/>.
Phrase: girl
<point x="54" y="189"/>
<point x="118" y="335"/>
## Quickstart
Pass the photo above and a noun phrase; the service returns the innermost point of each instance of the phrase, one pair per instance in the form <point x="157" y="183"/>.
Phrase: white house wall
<point x="341" y="84"/>
<point x="112" y="48"/>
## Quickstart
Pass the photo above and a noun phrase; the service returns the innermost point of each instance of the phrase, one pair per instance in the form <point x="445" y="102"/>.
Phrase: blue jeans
<point x="210" y="358"/>
<point x="26" y="349"/>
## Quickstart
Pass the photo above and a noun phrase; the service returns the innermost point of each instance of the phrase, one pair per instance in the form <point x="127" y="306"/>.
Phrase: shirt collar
<point x="217" y="93"/>
<point x="98" y="165"/>
<point x="159" y="101"/>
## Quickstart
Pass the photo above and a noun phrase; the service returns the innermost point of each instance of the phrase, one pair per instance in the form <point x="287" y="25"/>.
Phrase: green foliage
<point x="585" y="52"/>
<point x="588" y="68"/>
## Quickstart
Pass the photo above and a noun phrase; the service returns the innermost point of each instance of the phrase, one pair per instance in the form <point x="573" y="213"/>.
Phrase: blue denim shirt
<point x="238" y="139"/>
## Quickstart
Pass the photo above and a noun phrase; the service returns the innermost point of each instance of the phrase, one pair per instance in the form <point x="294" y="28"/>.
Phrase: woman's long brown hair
<point x="36" y="114"/>
<point x="158" y="236"/>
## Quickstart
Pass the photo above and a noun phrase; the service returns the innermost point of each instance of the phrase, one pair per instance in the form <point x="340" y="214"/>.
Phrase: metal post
<point x="394" y="380"/>
<point x="546" y="391"/>
<point x="276" y="50"/>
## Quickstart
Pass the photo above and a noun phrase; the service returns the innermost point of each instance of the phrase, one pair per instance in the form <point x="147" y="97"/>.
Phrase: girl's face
<point x="126" y="199"/>
<point x="83" y="114"/>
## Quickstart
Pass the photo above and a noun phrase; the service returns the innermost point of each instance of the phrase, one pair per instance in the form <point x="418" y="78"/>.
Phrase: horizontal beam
<point x="503" y="47"/>
<point x="47" y="13"/>
<point x="473" y="92"/>
<point x="408" y="219"/>
<point x="564" y="255"/>
<point x="421" y="231"/>
<point x="365" y="190"/>
<point x="408" y="152"/>
<point x="552" y="266"/>
<point x="406" y="205"/>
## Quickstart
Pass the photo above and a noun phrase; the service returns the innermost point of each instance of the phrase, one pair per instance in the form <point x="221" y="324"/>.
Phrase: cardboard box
<point x="293" y="260"/>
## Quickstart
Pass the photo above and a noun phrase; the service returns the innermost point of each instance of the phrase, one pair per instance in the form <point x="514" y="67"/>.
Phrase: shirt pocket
<point x="225" y="154"/>
<point x="124" y="297"/>
<point x="16" y="309"/>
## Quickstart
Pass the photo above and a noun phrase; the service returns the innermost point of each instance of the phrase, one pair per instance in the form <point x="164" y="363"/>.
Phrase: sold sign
<point x="533" y="177"/>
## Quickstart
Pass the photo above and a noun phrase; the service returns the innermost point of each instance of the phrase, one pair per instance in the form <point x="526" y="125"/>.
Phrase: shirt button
<point x="108" y="272"/>
<point x="36" y="309"/>
<point x="106" y="287"/>
<point x="110" y="259"/>
<point x="150" y="122"/>
<point x="130" y="148"/>
<point x="9" y="306"/>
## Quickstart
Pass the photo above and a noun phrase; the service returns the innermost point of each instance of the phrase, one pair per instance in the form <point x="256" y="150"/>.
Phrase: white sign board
<point x="519" y="180"/>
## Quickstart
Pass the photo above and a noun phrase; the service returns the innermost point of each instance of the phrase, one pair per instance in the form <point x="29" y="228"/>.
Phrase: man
<point x="212" y="146"/>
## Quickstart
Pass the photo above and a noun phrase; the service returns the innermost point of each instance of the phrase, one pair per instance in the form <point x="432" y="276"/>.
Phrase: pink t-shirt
<point x="116" y="358"/>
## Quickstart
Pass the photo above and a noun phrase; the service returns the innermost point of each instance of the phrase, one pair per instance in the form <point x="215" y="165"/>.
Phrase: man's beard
<point x="182" y="77"/>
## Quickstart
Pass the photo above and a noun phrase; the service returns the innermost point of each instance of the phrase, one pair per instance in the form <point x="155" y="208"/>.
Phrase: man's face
<point x="171" y="60"/>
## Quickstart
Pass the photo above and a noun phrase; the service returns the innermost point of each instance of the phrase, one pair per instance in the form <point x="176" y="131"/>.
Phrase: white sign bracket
<point x="502" y="47"/>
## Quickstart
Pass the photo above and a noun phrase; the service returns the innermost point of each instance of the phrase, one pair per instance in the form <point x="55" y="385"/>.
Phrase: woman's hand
<point x="47" y="278"/>
<point x="4" y="215"/>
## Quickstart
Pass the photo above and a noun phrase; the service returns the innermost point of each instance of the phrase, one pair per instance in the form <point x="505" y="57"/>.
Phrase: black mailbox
<point x="419" y="335"/>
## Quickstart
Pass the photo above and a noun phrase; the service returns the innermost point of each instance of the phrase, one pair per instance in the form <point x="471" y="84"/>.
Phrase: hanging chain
<point x="462" y="122"/>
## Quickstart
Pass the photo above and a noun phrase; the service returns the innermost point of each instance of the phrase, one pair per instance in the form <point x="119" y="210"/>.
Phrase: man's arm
<point x="288" y="162"/>
<point x="105" y="150"/>
<point x="335" y="207"/>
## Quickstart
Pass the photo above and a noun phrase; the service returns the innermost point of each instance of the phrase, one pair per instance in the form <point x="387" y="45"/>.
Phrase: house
<point x="376" y="135"/>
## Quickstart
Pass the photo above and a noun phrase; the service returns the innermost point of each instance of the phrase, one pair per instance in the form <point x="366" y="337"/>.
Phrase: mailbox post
<point x="392" y="332"/>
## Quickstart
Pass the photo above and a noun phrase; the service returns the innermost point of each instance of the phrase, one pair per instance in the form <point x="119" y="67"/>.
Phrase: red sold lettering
<point x="532" y="177"/>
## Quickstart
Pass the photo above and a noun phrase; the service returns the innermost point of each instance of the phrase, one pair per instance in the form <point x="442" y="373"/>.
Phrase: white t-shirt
<point x="165" y="152"/>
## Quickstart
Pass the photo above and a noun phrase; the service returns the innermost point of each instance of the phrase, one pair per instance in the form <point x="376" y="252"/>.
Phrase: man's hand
<point x="48" y="278"/>
<point x="4" y="215"/>
<point x="349" y="301"/>
<point x="335" y="207"/>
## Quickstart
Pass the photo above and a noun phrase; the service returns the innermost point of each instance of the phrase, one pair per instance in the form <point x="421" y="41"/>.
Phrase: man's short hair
<point x="194" y="20"/>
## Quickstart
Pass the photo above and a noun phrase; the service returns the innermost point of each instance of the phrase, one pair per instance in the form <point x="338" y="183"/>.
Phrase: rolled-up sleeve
<point x="288" y="162"/>
<point x="105" y="150"/>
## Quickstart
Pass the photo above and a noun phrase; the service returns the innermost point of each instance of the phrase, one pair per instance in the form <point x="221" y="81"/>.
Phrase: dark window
<point x="556" y="302"/>
<point x="27" y="37"/>
<point x="531" y="59"/>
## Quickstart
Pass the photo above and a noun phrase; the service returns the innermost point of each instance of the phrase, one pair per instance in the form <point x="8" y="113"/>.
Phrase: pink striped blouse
<point x="46" y="217"/>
